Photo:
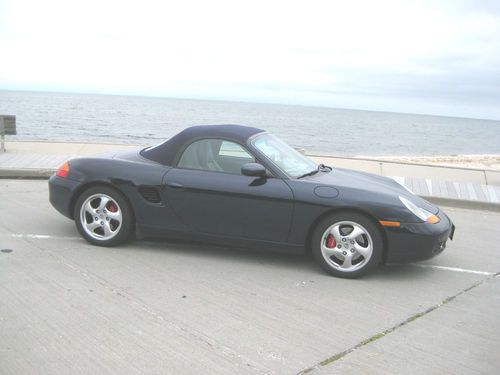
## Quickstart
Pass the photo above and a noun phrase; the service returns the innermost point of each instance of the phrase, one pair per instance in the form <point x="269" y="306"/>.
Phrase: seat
<point x="202" y="155"/>
<point x="207" y="155"/>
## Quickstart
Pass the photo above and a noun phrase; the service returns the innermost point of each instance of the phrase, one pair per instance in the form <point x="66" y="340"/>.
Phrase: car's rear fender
<point x="124" y="176"/>
<point x="81" y="188"/>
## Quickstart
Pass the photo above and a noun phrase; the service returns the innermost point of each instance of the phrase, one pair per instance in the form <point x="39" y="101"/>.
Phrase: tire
<point x="360" y="240"/>
<point x="103" y="217"/>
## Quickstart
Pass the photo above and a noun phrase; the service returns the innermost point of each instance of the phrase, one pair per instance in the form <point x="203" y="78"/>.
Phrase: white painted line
<point x="484" y="188"/>
<point x="444" y="189"/>
<point x="456" y="185"/>
<point x="472" y="193"/>
<point x="497" y="190"/>
<point x="428" y="182"/>
<point x="492" y="194"/>
<point x="39" y="236"/>
<point x="408" y="184"/>
<point x="50" y="237"/>
<point x="401" y="181"/>
<point x="452" y="269"/>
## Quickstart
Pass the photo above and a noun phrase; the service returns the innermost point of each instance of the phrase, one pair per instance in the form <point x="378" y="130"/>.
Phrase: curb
<point x="44" y="174"/>
<point x="26" y="173"/>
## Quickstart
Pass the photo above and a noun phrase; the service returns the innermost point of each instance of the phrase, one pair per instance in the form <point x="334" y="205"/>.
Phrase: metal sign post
<point x="7" y="127"/>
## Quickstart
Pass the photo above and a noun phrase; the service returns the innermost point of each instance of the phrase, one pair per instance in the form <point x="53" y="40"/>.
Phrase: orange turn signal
<point x="386" y="223"/>
<point x="63" y="170"/>
<point x="433" y="219"/>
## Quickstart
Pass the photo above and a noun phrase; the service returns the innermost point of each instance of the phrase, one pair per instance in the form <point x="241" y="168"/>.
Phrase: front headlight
<point x="419" y="212"/>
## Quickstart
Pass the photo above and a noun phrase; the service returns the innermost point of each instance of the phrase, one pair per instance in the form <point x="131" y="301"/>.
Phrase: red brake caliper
<point x="330" y="241"/>
<point x="112" y="207"/>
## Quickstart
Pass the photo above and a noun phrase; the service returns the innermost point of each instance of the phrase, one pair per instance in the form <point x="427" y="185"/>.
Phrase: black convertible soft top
<point x="166" y="152"/>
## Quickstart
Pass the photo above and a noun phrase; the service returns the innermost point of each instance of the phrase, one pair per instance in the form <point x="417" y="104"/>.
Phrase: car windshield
<point x="285" y="157"/>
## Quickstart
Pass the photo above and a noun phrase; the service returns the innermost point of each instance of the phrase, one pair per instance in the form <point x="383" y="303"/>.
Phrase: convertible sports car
<point x="244" y="187"/>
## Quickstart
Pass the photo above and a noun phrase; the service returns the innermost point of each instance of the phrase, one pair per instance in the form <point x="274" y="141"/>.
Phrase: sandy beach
<point x="487" y="161"/>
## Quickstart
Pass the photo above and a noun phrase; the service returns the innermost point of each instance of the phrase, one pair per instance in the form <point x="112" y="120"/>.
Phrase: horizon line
<point x="194" y="98"/>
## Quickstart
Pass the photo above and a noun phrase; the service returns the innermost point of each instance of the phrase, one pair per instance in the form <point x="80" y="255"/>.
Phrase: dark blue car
<point x="244" y="187"/>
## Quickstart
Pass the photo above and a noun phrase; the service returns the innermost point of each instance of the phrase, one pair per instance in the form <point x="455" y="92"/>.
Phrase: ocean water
<point x="147" y="120"/>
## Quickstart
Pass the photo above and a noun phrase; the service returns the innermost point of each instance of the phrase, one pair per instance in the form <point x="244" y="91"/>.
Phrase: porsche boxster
<point x="244" y="187"/>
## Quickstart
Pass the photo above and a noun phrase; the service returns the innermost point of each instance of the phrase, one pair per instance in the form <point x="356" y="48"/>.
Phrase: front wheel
<point x="102" y="216"/>
<point x="347" y="245"/>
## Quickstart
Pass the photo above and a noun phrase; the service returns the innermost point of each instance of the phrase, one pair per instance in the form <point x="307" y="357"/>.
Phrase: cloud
<point x="321" y="52"/>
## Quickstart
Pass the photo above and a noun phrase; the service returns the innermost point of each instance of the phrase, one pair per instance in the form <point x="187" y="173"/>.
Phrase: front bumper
<point x="418" y="241"/>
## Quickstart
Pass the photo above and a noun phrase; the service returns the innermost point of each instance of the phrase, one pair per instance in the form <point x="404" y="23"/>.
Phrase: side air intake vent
<point x="150" y="193"/>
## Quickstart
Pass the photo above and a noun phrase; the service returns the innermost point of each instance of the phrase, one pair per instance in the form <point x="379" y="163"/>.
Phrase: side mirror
<point x="253" y="169"/>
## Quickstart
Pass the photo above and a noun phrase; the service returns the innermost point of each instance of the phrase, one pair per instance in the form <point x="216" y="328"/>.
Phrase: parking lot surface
<point x="170" y="307"/>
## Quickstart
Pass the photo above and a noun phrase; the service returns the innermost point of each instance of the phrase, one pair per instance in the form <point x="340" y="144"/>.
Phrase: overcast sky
<point x="437" y="57"/>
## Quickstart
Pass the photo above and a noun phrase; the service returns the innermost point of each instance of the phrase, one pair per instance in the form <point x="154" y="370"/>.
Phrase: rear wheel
<point x="102" y="216"/>
<point x="347" y="244"/>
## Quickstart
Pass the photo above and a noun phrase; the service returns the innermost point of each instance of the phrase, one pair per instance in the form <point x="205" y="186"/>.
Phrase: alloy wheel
<point x="346" y="246"/>
<point x="101" y="217"/>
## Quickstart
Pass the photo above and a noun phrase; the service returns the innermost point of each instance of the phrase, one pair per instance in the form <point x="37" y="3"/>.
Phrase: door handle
<point x="175" y="185"/>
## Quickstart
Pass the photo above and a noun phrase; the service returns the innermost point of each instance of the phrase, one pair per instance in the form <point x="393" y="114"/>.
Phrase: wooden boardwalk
<point x="469" y="191"/>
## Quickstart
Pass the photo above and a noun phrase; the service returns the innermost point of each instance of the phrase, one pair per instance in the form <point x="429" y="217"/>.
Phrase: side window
<point x="215" y="155"/>
<point x="234" y="150"/>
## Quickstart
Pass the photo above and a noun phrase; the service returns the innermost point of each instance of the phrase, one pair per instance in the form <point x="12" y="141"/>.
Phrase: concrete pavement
<point x="430" y="344"/>
<point x="184" y="308"/>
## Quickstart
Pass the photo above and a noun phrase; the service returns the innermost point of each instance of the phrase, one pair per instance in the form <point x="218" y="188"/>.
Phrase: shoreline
<point x="484" y="161"/>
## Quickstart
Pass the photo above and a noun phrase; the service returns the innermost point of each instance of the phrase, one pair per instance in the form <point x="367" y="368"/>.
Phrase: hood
<point x="347" y="179"/>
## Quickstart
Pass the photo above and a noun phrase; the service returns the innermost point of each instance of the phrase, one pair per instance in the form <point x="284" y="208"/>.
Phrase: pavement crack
<point x="378" y="336"/>
<point x="160" y="316"/>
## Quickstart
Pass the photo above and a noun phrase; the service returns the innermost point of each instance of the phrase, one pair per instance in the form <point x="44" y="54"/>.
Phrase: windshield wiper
<point x="321" y="167"/>
<point x="313" y="172"/>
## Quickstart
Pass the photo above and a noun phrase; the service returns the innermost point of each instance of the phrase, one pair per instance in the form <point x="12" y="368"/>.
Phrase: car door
<point x="208" y="192"/>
